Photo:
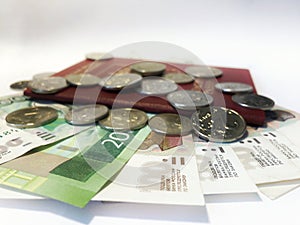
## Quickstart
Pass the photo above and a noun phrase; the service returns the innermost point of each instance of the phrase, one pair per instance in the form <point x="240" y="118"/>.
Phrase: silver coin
<point x="86" y="114"/>
<point x="20" y="85"/>
<point x="5" y="102"/>
<point x="189" y="100"/>
<point x="82" y="79"/>
<point x="42" y="75"/>
<point x="254" y="101"/>
<point x="120" y="81"/>
<point x="156" y="86"/>
<point x="217" y="124"/>
<point x="148" y="68"/>
<point x="234" y="87"/>
<point x="124" y="119"/>
<point x="98" y="56"/>
<point x="170" y="124"/>
<point x="179" y="78"/>
<point x="48" y="85"/>
<point x="19" y="98"/>
<point x="203" y="71"/>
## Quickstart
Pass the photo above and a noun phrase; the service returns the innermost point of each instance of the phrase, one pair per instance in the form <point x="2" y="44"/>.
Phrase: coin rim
<point x="251" y="106"/>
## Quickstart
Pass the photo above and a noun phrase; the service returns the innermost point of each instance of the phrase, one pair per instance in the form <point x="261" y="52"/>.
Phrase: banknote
<point x="75" y="169"/>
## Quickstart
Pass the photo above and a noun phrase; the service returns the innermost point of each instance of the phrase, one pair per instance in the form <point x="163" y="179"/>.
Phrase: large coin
<point x="179" y="78"/>
<point x="42" y="75"/>
<point x="20" y="85"/>
<point x="124" y="119"/>
<point x="156" y="86"/>
<point x="98" y="56"/>
<point x="148" y="68"/>
<point x="86" y="114"/>
<point x="170" y="124"/>
<point x="217" y="124"/>
<point x="233" y="87"/>
<point x="48" y="85"/>
<point x="31" y="117"/>
<point x="254" y="101"/>
<point x="203" y="71"/>
<point x="189" y="100"/>
<point x="82" y="79"/>
<point x="119" y="81"/>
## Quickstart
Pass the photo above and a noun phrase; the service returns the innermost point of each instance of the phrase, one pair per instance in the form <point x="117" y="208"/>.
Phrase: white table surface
<point x="262" y="36"/>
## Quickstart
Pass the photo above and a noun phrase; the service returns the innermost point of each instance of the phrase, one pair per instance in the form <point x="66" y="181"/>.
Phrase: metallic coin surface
<point x="31" y="117"/>
<point x="233" y="87"/>
<point x="5" y="101"/>
<point x="20" y="85"/>
<point x="86" y="114"/>
<point x="170" y="124"/>
<point x="124" y="119"/>
<point x="119" y="81"/>
<point x="203" y="71"/>
<point x="42" y="75"/>
<point x="156" y="86"/>
<point x="179" y="78"/>
<point x="148" y="68"/>
<point x="48" y="85"/>
<point x="217" y="124"/>
<point x="82" y="79"/>
<point x="189" y="100"/>
<point x="95" y="56"/>
<point x="19" y="98"/>
<point x="253" y="101"/>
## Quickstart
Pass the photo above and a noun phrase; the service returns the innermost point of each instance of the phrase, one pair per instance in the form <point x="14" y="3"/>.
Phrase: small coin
<point x="19" y="98"/>
<point x="42" y="75"/>
<point x="124" y="119"/>
<point x="86" y="114"/>
<point x="5" y="102"/>
<point x="203" y="71"/>
<point x="189" y="100"/>
<point x="179" y="78"/>
<point x="217" y="124"/>
<point x="148" y="68"/>
<point x="234" y="87"/>
<point x="98" y="56"/>
<point x="170" y="124"/>
<point x="31" y="117"/>
<point x="254" y="101"/>
<point x="20" y="85"/>
<point x="156" y="86"/>
<point x="119" y="81"/>
<point x="48" y="85"/>
<point x="82" y="79"/>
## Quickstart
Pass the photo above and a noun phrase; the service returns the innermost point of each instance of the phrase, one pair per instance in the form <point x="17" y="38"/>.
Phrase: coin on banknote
<point x="98" y="56"/>
<point x="42" y="75"/>
<point x="5" y="102"/>
<point x="82" y="79"/>
<point x="233" y="87"/>
<point x="86" y="114"/>
<point x="179" y="78"/>
<point x="148" y="68"/>
<point x="218" y="124"/>
<point x="19" y="85"/>
<point x="253" y="101"/>
<point x="119" y="81"/>
<point x="47" y="85"/>
<point x="203" y="71"/>
<point x="156" y="86"/>
<point x="189" y="100"/>
<point x="31" y="117"/>
<point x="170" y="124"/>
<point x="124" y="119"/>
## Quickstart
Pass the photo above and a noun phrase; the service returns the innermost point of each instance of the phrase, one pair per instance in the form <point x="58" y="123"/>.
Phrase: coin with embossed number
<point x="119" y="81"/>
<point x="86" y="114"/>
<point x="233" y="87"/>
<point x="31" y="117"/>
<point x="19" y="85"/>
<point x="179" y="78"/>
<point x="82" y="79"/>
<point x="48" y="85"/>
<point x="148" y="68"/>
<point x="124" y="119"/>
<point x="203" y="71"/>
<point x="98" y="56"/>
<point x="170" y="124"/>
<point x="156" y="86"/>
<point x="254" y="101"/>
<point x="217" y="124"/>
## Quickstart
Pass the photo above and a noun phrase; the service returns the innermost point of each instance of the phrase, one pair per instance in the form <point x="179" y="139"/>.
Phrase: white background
<point x="262" y="36"/>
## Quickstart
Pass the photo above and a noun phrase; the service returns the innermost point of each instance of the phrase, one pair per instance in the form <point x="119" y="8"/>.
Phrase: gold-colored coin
<point x="179" y="78"/>
<point x="31" y="117"/>
<point x="148" y="68"/>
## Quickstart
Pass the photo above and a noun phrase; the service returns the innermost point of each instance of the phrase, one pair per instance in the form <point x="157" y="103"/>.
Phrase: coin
<point x="218" y="124"/>
<point x="82" y="79"/>
<point x="42" y="75"/>
<point x="203" y="71"/>
<point x="86" y="114"/>
<point x="47" y="85"/>
<point x="95" y="56"/>
<point x="5" y="102"/>
<point x="170" y="124"/>
<point x="19" y="85"/>
<point x="179" y="78"/>
<point x="31" y="117"/>
<point x="118" y="81"/>
<point x="189" y="100"/>
<point x="19" y="98"/>
<point x="254" y="101"/>
<point x="156" y="86"/>
<point x="233" y="87"/>
<point x="148" y="68"/>
<point x="124" y="119"/>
